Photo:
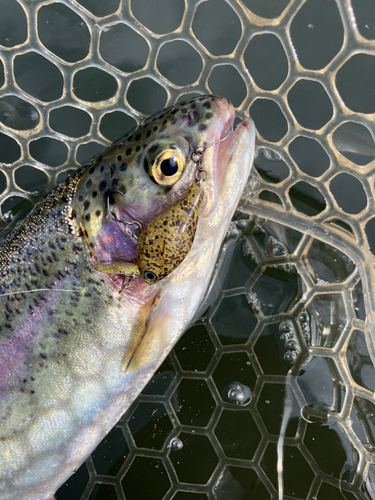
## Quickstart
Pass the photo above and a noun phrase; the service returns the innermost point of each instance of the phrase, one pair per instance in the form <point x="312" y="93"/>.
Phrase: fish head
<point x="144" y="174"/>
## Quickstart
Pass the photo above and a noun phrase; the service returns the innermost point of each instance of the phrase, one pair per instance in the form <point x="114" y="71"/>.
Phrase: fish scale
<point x="74" y="353"/>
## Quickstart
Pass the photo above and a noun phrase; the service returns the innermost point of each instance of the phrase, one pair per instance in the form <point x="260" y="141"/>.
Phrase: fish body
<point x="74" y="352"/>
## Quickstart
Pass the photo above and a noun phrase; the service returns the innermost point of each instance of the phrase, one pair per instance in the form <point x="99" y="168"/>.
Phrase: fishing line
<point x="288" y="404"/>
<point x="38" y="290"/>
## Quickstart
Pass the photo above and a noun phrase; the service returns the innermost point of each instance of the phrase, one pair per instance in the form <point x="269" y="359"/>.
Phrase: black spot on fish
<point x="98" y="213"/>
<point x="138" y="148"/>
<point x="123" y="167"/>
<point x="119" y="158"/>
<point x="102" y="168"/>
<point x="148" y="133"/>
<point x="94" y="194"/>
<point x="202" y="127"/>
<point x="137" y="137"/>
<point x="89" y="183"/>
<point x="206" y="105"/>
<point x="72" y="216"/>
<point x="92" y="170"/>
<point x="87" y="217"/>
<point x="86" y="204"/>
<point x="128" y="151"/>
<point x="153" y="148"/>
<point x="102" y="185"/>
<point x="184" y="110"/>
<point x="80" y="198"/>
<point x="208" y="116"/>
<point x="76" y="248"/>
<point x="145" y="164"/>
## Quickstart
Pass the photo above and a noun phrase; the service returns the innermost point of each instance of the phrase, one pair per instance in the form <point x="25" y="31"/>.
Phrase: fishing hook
<point x="131" y="234"/>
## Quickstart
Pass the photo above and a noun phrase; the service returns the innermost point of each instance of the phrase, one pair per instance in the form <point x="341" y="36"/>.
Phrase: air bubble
<point x="303" y="318"/>
<point x="176" y="444"/>
<point x="291" y="345"/>
<point x="253" y="301"/>
<point x="8" y="216"/>
<point x="285" y="327"/>
<point x="290" y="357"/>
<point x="237" y="393"/>
<point x="278" y="249"/>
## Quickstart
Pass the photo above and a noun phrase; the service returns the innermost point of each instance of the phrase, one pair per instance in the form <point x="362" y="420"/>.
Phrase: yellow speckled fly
<point x="164" y="243"/>
<point x="167" y="240"/>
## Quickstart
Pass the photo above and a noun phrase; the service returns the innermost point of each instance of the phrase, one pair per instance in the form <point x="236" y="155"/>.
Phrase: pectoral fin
<point x="157" y="337"/>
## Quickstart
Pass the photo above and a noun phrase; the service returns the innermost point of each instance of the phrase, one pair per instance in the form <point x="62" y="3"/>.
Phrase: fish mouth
<point x="229" y="160"/>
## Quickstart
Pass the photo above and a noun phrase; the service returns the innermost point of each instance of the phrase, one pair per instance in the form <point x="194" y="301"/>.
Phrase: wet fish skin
<point x="74" y="353"/>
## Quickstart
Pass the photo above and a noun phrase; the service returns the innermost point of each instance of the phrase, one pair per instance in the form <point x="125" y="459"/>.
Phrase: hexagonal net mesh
<point x="290" y="329"/>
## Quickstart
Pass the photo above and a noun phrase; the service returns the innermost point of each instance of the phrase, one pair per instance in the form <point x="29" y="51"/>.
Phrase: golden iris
<point x="168" y="166"/>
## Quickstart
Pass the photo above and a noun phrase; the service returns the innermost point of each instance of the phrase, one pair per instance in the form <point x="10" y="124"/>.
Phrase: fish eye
<point x="149" y="276"/>
<point x="168" y="166"/>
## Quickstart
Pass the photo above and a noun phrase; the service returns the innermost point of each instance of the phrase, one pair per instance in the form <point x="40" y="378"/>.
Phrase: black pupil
<point x="149" y="276"/>
<point x="169" y="167"/>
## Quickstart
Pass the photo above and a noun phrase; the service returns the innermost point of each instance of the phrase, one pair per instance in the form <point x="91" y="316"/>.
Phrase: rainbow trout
<point x="146" y="218"/>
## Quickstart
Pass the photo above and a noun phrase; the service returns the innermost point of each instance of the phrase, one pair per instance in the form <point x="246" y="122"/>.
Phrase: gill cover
<point x="164" y="243"/>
